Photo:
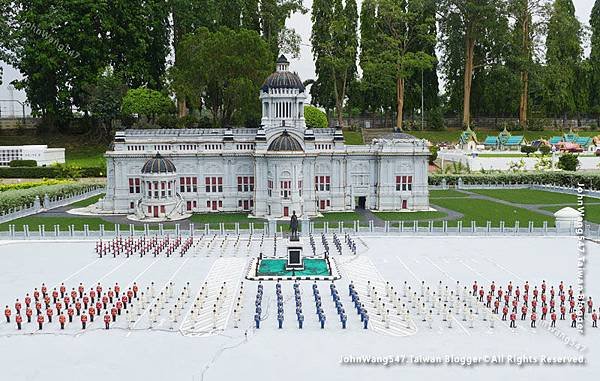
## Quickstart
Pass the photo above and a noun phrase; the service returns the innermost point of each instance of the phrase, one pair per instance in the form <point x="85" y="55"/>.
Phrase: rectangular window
<point x="404" y="183"/>
<point x="213" y="184"/>
<point x="322" y="183"/>
<point x="286" y="188"/>
<point x="134" y="185"/>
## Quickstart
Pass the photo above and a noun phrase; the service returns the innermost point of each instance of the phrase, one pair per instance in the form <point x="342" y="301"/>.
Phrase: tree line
<point x="498" y="58"/>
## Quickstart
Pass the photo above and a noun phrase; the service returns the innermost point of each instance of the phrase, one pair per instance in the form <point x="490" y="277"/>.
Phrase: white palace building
<point x="269" y="172"/>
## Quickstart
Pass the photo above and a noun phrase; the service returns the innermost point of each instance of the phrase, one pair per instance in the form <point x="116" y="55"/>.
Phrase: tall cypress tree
<point x="563" y="57"/>
<point x="321" y="90"/>
<point x="594" y="60"/>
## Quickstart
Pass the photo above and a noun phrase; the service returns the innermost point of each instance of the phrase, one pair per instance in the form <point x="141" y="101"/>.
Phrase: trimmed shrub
<point x="48" y="172"/>
<point x="528" y="150"/>
<point x="314" y="117"/>
<point x="568" y="162"/>
<point x="22" y="163"/>
<point x="12" y="199"/>
<point x="568" y="179"/>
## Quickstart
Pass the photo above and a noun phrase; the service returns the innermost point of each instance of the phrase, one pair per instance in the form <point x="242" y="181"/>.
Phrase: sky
<point x="304" y="64"/>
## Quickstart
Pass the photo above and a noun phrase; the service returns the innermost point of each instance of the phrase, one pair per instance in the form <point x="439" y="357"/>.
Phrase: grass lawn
<point x="338" y="216"/>
<point x="527" y="196"/>
<point x="229" y="219"/>
<point x="86" y="202"/>
<point x="591" y="213"/>
<point x="508" y="155"/>
<point x="409" y="216"/>
<point x="448" y="193"/>
<point x="86" y="156"/>
<point x="64" y="222"/>
<point x="481" y="211"/>
<point x="353" y="137"/>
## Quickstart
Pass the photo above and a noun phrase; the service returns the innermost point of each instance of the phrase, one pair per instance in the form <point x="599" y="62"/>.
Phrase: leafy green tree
<point x="468" y="31"/>
<point x="314" y="117"/>
<point x="146" y="102"/>
<point x="563" y="57"/>
<point x="106" y="98"/>
<point x="402" y="31"/>
<point x="528" y="150"/>
<point x="223" y="71"/>
<point x="335" y="43"/>
<point x="568" y="162"/>
<point x="594" y="61"/>
<point x="273" y="14"/>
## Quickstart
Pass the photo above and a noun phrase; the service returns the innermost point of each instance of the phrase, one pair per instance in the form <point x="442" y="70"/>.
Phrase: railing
<point x="390" y="228"/>
<point x="544" y="187"/>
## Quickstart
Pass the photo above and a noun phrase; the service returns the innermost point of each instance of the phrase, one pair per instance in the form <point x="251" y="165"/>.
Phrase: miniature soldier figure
<point x="19" y="320"/>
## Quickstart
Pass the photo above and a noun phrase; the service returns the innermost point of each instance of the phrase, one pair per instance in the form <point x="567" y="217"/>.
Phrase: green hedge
<point x="570" y="179"/>
<point x="22" y="163"/>
<point x="31" y="184"/>
<point x="47" y="172"/>
<point x="12" y="199"/>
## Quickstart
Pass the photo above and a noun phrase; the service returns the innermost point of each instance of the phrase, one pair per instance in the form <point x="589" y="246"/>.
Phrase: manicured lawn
<point x="64" y="222"/>
<point x="86" y="202"/>
<point x="229" y="219"/>
<point x="448" y="193"/>
<point x="92" y="156"/>
<point x="409" y="216"/>
<point x="338" y="216"/>
<point x="353" y="137"/>
<point x="527" y="196"/>
<point x="591" y="213"/>
<point x="481" y="211"/>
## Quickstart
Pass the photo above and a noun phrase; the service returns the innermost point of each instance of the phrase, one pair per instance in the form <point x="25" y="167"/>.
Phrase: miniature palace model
<point x="270" y="171"/>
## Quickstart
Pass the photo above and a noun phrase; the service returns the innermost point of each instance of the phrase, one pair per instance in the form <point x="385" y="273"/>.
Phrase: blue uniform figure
<point x="366" y="321"/>
<point x="280" y="320"/>
<point x="322" y="320"/>
<point x="344" y="318"/>
<point x="300" y="320"/>
<point x="257" y="321"/>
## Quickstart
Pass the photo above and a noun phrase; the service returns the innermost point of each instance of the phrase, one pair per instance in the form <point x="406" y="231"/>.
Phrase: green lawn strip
<point x="448" y="193"/>
<point x="482" y="211"/>
<point x="332" y="218"/>
<point x="86" y="202"/>
<point x="353" y="137"/>
<point x="409" y="216"/>
<point x="507" y="155"/>
<point x="591" y="212"/>
<point x="527" y="196"/>
<point x="229" y="219"/>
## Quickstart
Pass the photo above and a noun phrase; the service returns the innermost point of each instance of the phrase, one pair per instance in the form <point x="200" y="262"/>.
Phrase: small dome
<point x="158" y="164"/>
<point x="283" y="78"/>
<point x="285" y="142"/>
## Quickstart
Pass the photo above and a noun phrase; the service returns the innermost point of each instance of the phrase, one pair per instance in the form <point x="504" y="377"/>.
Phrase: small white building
<point x="43" y="155"/>
<point x="270" y="172"/>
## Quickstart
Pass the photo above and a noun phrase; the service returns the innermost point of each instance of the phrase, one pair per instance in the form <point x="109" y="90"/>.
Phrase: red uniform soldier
<point x="98" y="308"/>
<point x="481" y="293"/>
<point x="515" y="304"/>
<point x="594" y="319"/>
<point x="533" y="319"/>
<point x="61" y="320"/>
<point x="488" y="303"/>
<point x="526" y="287"/>
<point x="92" y="312"/>
<point x="525" y="299"/>
<point x="44" y="289"/>
<point x="513" y="318"/>
<point x="18" y="306"/>
<point x="543" y="287"/>
<point x="58" y="306"/>
<point x="28" y="313"/>
<point x="40" y="320"/>
<point x="7" y="313"/>
<point x="510" y="288"/>
<point x="49" y="313"/>
<point x="81" y="289"/>
<point x="562" y="299"/>
<point x="86" y="301"/>
<point x="543" y="298"/>
<point x="70" y="313"/>
<point x="517" y="293"/>
<point x="93" y="295"/>
<point x="99" y="289"/>
<point x="571" y="305"/>
<point x="111" y="295"/>
<point x="54" y="296"/>
<point x="552" y="304"/>
<point x="533" y="305"/>
<point x="19" y="320"/>
<point x="84" y="319"/>
<point x="523" y="312"/>
<point x="544" y="312"/>
<point x="106" y="320"/>
<point x="553" y="318"/>
<point x="113" y="312"/>
<point x="78" y="307"/>
<point x="500" y="292"/>
<point x="104" y="301"/>
<point x="38" y="307"/>
<point x="62" y="289"/>
<point x="535" y="293"/>
<point x="129" y="296"/>
<point x="496" y="306"/>
<point x="506" y="298"/>
<point x="590" y="304"/>
<point x="117" y="289"/>
<point x="573" y="320"/>
<point x="561" y="288"/>
<point x="119" y="305"/>
<point x="504" y="312"/>
<point x="563" y="310"/>
<point x="493" y="287"/>
<point x="36" y="294"/>
<point x="67" y="301"/>
<point x="27" y="300"/>
<point x="124" y="300"/>
<point x="74" y="295"/>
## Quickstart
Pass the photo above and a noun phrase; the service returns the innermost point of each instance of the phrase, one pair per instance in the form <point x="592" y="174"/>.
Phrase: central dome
<point x="282" y="78"/>
<point x="158" y="164"/>
<point x="285" y="142"/>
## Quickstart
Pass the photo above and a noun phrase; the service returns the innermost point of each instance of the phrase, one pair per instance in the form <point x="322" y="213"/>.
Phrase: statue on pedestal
<point x="294" y="227"/>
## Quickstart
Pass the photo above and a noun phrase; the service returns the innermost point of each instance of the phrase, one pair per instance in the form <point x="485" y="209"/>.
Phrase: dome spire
<point x="283" y="64"/>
